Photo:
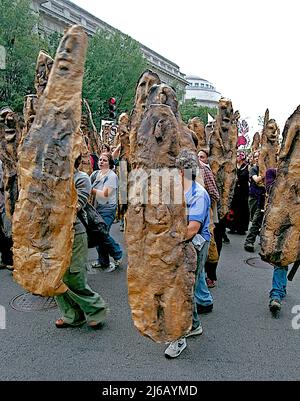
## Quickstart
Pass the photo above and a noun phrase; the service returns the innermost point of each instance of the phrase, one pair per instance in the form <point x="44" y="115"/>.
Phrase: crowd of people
<point x="80" y="304"/>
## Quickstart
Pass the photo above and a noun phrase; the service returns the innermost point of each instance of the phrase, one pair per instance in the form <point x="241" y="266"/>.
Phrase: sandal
<point x="61" y="324"/>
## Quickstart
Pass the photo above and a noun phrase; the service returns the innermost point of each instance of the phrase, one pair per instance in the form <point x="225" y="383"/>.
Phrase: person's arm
<point x="192" y="229"/>
<point x="258" y="179"/>
<point x="104" y="193"/>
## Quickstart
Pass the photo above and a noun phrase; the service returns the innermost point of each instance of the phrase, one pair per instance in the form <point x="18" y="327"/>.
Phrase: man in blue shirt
<point x="198" y="204"/>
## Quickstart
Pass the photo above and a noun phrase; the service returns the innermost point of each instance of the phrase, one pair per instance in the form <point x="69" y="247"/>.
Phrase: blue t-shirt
<point x="198" y="205"/>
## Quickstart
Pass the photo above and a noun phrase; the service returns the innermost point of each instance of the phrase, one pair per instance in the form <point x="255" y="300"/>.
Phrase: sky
<point x="248" y="49"/>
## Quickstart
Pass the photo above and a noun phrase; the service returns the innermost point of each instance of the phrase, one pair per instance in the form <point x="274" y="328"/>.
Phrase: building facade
<point x="203" y="91"/>
<point x="56" y="15"/>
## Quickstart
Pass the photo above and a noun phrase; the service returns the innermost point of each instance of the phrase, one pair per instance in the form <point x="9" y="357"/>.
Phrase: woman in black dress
<point x="239" y="216"/>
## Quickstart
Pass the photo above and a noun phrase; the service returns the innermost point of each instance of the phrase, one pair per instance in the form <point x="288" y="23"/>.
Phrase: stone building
<point x="203" y="91"/>
<point x="57" y="14"/>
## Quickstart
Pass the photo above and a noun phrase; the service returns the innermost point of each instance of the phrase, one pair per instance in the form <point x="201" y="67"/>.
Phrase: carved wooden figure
<point x="280" y="234"/>
<point x="255" y="142"/>
<point x="269" y="145"/>
<point x="145" y="82"/>
<point x="10" y="133"/>
<point x="161" y="265"/>
<point x="45" y="212"/>
<point x="222" y="157"/>
<point x="197" y="126"/>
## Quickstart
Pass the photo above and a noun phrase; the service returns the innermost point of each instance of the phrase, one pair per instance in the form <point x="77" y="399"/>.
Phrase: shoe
<point x="110" y="268"/>
<point x="4" y="266"/>
<point x="226" y="240"/>
<point x="249" y="248"/>
<point x="61" y="324"/>
<point x="118" y="262"/>
<point x="95" y="325"/>
<point x="195" y="332"/>
<point x="275" y="305"/>
<point x="211" y="283"/>
<point x="97" y="266"/>
<point x="175" y="348"/>
<point x="205" y="308"/>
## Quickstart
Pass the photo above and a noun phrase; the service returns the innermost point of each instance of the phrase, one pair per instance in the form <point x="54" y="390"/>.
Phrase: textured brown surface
<point x="10" y="133"/>
<point x="269" y="146"/>
<point x="280" y="234"/>
<point x="255" y="142"/>
<point x="197" y="126"/>
<point x="160" y="265"/>
<point x="92" y="134"/>
<point x="145" y="82"/>
<point x="222" y="158"/>
<point x="42" y="72"/>
<point x="45" y="212"/>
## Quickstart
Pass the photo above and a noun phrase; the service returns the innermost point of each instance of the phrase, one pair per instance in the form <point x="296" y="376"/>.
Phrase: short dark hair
<point x="187" y="160"/>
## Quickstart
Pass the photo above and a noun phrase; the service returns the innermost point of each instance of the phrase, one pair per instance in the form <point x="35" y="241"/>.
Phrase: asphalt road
<point x="241" y="340"/>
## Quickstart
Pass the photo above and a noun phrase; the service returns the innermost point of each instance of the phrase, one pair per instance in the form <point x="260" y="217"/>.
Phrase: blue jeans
<point x="109" y="247"/>
<point x="279" y="282"/>
<point x="199" y="289"/>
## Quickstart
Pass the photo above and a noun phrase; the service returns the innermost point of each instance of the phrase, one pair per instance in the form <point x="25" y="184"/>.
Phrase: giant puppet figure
<point x="161" y="264"/>
<point x="269" y="145"/>
<point x="280" y="234"/>
<point x="46" y="209"/>
<point x="222" y="157"/>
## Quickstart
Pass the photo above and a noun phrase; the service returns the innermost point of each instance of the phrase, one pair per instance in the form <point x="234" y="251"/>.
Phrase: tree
<point x="113" y="67"/>
<point x="18" y="26"/>
<point x="190" y="109"/>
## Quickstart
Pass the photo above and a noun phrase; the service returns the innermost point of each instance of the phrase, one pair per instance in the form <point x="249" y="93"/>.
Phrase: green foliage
<point x="190" y="109"/>
<point x="52" y="42"/>
<point x="113" y="67"/>
<point x="22" y="44"/>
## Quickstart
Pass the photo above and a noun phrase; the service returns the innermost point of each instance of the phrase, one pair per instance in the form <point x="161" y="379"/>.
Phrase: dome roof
<point x="187" y="77"/>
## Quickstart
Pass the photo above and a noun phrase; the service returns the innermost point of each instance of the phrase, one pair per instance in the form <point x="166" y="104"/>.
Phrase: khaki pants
<point x="80" y="303"/>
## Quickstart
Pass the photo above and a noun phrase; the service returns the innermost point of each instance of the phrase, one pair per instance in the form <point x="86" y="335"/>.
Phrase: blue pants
<point x="199" y="289"/>
<point x="109" y="247"/>
<point x="279" y="282"/>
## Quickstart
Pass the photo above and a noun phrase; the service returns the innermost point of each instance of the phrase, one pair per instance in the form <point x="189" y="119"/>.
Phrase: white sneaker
<point x="118" y="262"/>
<point x="195" y="332"/>
<point x="110" y="268"/>
<point x="175" y="348"/>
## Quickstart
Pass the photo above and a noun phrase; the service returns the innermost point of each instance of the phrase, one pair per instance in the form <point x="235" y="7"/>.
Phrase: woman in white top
<point x="105" y="190"/>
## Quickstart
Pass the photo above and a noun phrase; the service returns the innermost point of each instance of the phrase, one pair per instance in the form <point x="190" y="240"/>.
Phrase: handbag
<point x="95" y="226"/>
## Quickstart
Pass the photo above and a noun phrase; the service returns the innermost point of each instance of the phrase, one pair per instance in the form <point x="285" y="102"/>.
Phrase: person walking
<point x="256" y="204"/>
<point x="105" y="191"/>
<point x="80" y="303"/>
<point x="198" y="218"/>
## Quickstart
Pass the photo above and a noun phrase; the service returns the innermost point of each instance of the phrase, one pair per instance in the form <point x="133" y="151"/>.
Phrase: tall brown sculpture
<point x="222" y="159"/>
<point x="269" y="145"/>
<point x="161" y="264"/>
<point x="197" y="126"/>
<point x="45" y="212"/>
<point x="280" y="234"/>
<point x="10" y="133"/>
<point x="255" y="142"/>
<point x="145" y="82"/>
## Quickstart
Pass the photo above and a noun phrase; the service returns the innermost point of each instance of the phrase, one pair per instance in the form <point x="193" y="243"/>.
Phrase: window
<point x="196" y="84"/>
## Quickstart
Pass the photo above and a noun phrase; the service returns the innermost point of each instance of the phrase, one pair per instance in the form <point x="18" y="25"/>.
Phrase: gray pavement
<point x="241" y="340"/>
